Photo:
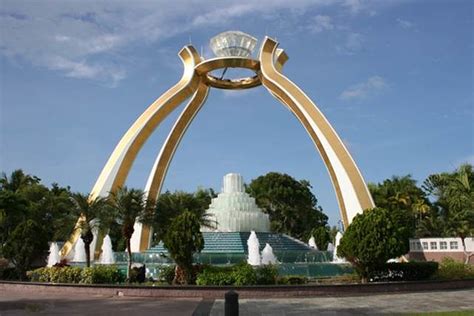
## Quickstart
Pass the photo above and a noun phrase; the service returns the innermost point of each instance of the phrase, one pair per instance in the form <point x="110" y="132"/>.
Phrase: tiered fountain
<point x="242" y="234"/>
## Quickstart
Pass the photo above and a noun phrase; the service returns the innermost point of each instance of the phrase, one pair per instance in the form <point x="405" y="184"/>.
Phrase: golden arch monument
<point x="234" y="50"/>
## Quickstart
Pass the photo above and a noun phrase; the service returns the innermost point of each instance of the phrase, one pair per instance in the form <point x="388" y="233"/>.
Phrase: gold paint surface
<point x="288" y="93"/>
<point x="233" y="84"/>
<point x="76" y="233"/>
<point x="127" y="149"/>
<point x="204" y="68"/>
<point x="169" y="148"/>
<point x="196" y="81"/>
<point x="226" y="62"/>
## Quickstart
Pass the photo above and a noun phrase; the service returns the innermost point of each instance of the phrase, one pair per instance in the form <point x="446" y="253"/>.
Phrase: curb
<point x="270" y="291"/>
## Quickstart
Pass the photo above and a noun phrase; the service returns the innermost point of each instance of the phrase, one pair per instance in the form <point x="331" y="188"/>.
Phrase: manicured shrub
<point x="39" y="275"/>
<point x="65" y="275"/>
<point x="166" y="274"/>
<point x="244" y="274"/>
<point x="101" y="275"/>
<point x="211" y="268"/>
<point x="453" y="270"/>
<point x="292" y="280"/>
<point x="240" y="274"/>
<point x="208" y="277"/>
<point x="92" y="275"/>
<point x="267" y="274"/>
<point x="373" y="237"/>
<point x="406" y="271"/>
<point x="215" y="275"/>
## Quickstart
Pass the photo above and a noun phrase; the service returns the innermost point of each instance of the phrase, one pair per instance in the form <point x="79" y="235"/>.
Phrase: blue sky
<point x="394" y="78"/>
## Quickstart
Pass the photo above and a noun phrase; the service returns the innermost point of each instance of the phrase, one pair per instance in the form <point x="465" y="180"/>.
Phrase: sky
<point x="394" y="78"/>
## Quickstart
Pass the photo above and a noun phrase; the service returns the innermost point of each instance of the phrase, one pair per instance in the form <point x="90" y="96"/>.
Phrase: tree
<point x="291" y="205"/>
<point x="182" y="240"/>
<point x="13" y="211"/>
<point x="55" y="208"/>
<point x="171" y="205"/>
<point x="374" y="237"/>
<point x="17" y="180"/>
<point x="26" y="242"/>
<point x="90" y="212"/>
<point x="454" y="203"/>
<point x="332" y="233"/>
<point x="321" y="237"/>
<point x="129" y="205"/>
<point x="402" y="193"/>
<point x="26" y="204"/>
<point x="432" y="225"/>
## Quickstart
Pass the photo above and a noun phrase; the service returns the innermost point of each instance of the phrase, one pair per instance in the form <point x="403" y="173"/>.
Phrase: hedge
<point x="454" y="270"/>
<point x="93" y="275"/>
<point x="406" y="271"/>
<point x="240" y="274"/>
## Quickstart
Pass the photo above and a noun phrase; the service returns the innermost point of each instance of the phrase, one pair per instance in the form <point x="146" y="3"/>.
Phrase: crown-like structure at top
<point x="233" y="44"/>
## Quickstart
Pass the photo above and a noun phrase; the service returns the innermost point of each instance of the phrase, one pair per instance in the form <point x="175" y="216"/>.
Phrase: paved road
<point x="362" y="305"/>
<point x="16" y="303"/>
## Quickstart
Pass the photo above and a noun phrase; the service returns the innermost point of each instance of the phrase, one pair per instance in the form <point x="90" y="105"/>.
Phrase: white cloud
<point x="82" y="70"/>
<point x="321" y="23"/>
<point x="237" y="93"/>
<point x="91" y="39"/>
<point x="364" y="89"/>
<point x="405" y="24"/>
<point x="354" y="42"/>
<point x="222" y="15"/>
<point x="354" y="6"/>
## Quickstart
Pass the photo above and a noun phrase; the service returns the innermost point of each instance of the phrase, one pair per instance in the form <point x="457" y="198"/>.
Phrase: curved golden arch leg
<point x="116" y="170"/>
<point x="351" y="191"/>
<point x="141" y="238"/>
<point x="281" y="59"/>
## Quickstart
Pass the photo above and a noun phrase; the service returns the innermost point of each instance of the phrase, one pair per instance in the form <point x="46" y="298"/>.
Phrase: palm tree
<point x="17" y="180"/>
<point x="455" y="200"/>
<point x="129" y="205"/>
<point x="90" y="212"/>
<point x="171" y="205"/>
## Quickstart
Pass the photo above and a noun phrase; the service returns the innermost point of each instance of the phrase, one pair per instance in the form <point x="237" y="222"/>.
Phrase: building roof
<point x="236" y="242"/>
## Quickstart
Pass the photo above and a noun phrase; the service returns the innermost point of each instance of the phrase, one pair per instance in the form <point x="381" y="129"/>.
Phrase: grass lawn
<point x="452" y="313"/>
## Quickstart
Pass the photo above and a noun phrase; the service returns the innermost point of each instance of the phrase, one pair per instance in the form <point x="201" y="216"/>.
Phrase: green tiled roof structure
<point x="231" y="247"/>
<point x="236" y="242"/>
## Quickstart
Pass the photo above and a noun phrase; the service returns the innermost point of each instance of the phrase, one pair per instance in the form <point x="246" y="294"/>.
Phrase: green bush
<point x="92" y="275"/>
<point x="215" y="275"/>
<point x="208" y="277"/>
<point x="137" y="275"/>
<point x="453" y="270"/>
<point x="39" y="275"/>
<point x="406" y="271"/>
<point x="9" y="274"/>
<point x="65" y="275"/>
<point x="101" y="275"/>
<point x="166" y="274"/>
<point x="267" y="274"/>
<point x="240" y="274"/>
<point x="292" y="280"/>
<point x="33" y="275"/>
<point x="244" y="274"/>
<point x="373" y="237"/>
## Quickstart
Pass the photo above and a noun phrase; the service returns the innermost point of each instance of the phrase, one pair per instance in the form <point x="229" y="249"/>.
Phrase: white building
<point x="435" y="249"/>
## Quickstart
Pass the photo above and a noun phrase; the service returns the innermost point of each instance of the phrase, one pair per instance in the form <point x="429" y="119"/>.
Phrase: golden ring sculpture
<point x="351" y="190"/>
